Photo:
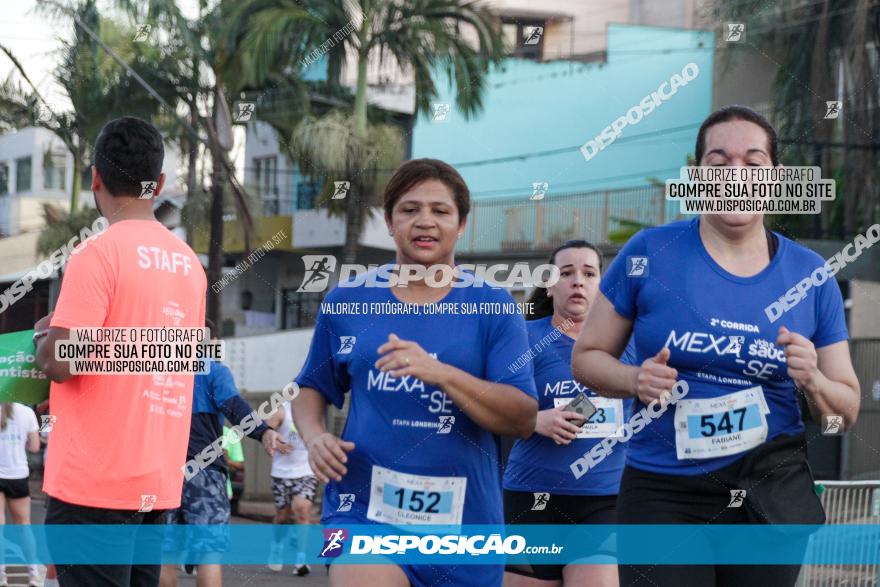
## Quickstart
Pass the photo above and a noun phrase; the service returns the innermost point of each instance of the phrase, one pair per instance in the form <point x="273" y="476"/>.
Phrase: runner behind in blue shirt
<point x="204" y="499"/>
<point x="539" y="485"/>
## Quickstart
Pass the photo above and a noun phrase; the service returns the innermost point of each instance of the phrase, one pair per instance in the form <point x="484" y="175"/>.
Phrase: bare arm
<point x="233" y="465"/>
<point x="825" y="375"/>
<point x="594" y="359"/>
<point x="57" y="371"/>
<point x="595" y="363"/>
<point x="498" y="407"/>
<point x="309" y="413"/>
<point x="326" y="452"/>
<point x="33" y="442"/>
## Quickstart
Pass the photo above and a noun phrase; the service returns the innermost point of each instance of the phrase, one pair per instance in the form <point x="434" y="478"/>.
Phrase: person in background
<point x="540" y="465"/>
<point x="45" y="423"/>
<point x="234" y="455"/>
<point x="19" y="434"/>
<point x="294" y="486"/>
<point x="205" y="501"/>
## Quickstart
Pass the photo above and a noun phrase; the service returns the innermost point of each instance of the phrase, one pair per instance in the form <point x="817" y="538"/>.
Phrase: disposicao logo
<point x="334" y="542"/>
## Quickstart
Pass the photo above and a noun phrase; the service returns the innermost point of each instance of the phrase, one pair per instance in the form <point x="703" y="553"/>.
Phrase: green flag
<point x="20" y="379"/>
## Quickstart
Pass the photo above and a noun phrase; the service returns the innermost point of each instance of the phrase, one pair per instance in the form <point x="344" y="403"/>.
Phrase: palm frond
<point x="61" y="227"/>
<point x="329" y="147"/>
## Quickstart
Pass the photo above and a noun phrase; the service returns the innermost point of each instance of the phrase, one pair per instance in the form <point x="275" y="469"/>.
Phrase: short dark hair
<point x="737" y="112"/>
<point x="415" y="171"/>
<point x="541" y="305"/>
<point x="128" y="151"/>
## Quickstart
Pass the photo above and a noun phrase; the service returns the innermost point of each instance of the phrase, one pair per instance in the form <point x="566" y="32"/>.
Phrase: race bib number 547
<point x="721" y="426"/>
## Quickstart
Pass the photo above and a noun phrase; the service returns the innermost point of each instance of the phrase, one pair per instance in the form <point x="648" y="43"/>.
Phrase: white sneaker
<point x="3" y="581"/>
<point x="35" y="579"/>
<point x="275" y="563"/>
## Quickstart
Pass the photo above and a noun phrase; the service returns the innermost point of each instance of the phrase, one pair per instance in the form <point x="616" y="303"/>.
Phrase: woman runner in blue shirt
<point x="430" y="389"/>
<point x="694" y="295"/>
<point x="539" y="484"/>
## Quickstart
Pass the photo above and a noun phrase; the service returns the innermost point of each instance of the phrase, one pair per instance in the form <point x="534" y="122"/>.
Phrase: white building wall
<point x="262" y="141"/>
<point x="257" y="364"/>
<point x="23" y="211"/>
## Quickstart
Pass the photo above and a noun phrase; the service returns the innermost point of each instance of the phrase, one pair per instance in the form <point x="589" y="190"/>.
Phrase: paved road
<point x="233" y="575"/>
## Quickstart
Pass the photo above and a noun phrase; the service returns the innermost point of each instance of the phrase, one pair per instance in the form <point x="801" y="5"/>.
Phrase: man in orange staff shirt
<point x="117" y="449"/>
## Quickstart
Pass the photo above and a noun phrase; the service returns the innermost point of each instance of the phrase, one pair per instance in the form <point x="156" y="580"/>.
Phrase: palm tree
<point x="213" y="72"/>
<point x="97" y="87"/>
<point x="331" y="144"/>
<point x="60" y="227"/>
<point x="825" y="51"/>
<point x="421" y="37"/>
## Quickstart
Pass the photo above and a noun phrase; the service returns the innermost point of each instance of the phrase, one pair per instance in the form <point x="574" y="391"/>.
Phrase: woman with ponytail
<point x="539" y="487"/>
<point x="19" y="433"/>
<point x="710" y="278"/>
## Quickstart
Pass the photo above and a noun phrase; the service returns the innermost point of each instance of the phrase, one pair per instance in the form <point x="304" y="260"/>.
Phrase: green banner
<point x="20" y="379"/>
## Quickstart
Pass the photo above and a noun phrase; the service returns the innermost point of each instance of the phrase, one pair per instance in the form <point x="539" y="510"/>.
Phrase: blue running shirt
<point x="405" y="431"/>
<point x="538" y="463"/>
<point x="215" y="397"/>
<point x="721" y="342"/>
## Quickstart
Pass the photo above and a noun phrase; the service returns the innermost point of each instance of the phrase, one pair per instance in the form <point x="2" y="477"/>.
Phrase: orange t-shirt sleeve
<point x="86" y="290"/>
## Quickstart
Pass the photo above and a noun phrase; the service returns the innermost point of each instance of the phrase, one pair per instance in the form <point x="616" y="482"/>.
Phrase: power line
<point x="171" y="110"/>
<point x="553" y="186"/>
<point x="520" y="156"/>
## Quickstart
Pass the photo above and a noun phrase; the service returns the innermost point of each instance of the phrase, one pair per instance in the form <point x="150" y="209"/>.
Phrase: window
<point x="53" y="171"/>
<point x="23" y="174"/>
<point x="524" y="38"/>
<point x="510" y="34"/>
<point x="306" y="192"/>
<point x="299" y="309"/>
<point x="266" y="179"/>
<point x="4" y="179"/>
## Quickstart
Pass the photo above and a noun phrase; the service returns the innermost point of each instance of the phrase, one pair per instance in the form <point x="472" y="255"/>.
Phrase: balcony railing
<point x="280" y="200"/>
<point x="845" y="502"/>
<point x="521" y="224"/>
